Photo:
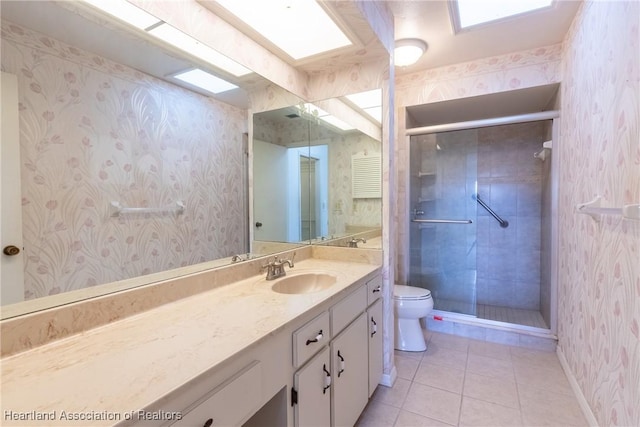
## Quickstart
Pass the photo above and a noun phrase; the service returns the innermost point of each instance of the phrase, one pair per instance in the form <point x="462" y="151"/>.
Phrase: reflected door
<point x="443" y="218"/>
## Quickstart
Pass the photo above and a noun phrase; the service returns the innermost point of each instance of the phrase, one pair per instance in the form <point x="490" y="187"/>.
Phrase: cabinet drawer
<point x="348" y="309"/>
<point x="374" y="289"/>
<point x="310" y="338"/>
<point x="230" y="404"/>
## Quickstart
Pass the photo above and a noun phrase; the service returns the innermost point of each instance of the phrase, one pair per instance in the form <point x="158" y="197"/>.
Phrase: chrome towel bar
<point x="443" y="221"/>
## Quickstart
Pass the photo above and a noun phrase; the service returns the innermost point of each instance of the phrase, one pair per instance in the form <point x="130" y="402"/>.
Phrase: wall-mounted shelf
<point x="594" y="210"/>
<point x="421" y="174"/>
<point x="425" y="199"/>
<point x="116" y="209"/>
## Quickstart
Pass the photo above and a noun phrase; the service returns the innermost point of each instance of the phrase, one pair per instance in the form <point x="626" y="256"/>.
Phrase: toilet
<point x="410" y="304"/>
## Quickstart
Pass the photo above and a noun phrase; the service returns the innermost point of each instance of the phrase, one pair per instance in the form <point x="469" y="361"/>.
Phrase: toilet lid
<point x="410" y="292"/>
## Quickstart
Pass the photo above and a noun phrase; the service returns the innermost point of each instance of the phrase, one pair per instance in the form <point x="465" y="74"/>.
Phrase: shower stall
<point x="480" y="206"/>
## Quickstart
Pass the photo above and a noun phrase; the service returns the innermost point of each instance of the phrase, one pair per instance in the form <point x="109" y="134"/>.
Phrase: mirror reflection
<point x="317" y="175"/>
<point x="120" y="175"/>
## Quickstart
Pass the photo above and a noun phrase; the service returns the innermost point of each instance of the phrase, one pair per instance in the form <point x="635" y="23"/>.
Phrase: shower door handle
<point x="443" y="221"/>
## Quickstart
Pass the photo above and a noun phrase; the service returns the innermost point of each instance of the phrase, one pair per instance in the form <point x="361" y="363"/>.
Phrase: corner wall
<point x="599" y="267"/>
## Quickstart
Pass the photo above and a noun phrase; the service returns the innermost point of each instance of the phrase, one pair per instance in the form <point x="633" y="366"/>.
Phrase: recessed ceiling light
<point x="204" y="80"/>
<point x="188" y="44"/>
<point x="475" y="12"/>
<point x="326" y="117"/>
<point x="370" y="102"/>
<point x="408" y="51"/>
<point x="301" y="28"/>
<point x="125" y="11"/>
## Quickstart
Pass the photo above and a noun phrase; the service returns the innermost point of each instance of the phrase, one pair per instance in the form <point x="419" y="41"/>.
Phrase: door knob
<point x="11" y="250"/>
<point x="258" y="224"/>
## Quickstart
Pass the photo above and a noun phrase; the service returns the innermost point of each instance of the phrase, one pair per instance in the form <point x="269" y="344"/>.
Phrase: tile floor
<point x="464" y="382"/>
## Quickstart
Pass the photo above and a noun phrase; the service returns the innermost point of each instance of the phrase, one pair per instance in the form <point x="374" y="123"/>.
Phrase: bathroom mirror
<point x="317" y="173"/>
<point x="95" y="138"/>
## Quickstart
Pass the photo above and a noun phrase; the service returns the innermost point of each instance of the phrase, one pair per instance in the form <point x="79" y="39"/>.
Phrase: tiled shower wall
<point x="502" y="265"/>
<point x="510" y="182"/>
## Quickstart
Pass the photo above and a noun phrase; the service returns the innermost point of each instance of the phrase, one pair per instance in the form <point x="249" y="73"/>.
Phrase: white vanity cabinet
<point x="349" y="394"/>
<point x="342" y="365"/>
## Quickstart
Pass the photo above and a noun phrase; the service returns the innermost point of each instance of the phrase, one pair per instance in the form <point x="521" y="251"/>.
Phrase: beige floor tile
<point x="445" y="357"/>
<point x="377" y="414"/>
<point x="394" y="396"/>
<point x="482" y="414"/>
<point x="452" y="342"/>
<point x="534" y="357"/>
<point x="409" y="419"/>
<point x="439" y="376"/>
<point x="490" y="367"/>
<point x="406" y="366"/>
<point x="553" y="380"/>
<point x="489" y="389"/>
<point x="489" y="349"/>
<point x="544" y="408"/>
<point x="412" y="354"/>
<point x="433" y="403"/>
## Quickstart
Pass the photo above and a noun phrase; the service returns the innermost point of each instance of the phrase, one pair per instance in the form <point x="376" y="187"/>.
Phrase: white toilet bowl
<point x="410" y="304"/>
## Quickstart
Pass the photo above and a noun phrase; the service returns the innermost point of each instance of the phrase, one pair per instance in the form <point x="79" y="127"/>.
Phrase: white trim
<point x="388" y="380"/>
<point x="497" y="121"/>
<point x="582" y="401"/>
<point x="494" y="324"/>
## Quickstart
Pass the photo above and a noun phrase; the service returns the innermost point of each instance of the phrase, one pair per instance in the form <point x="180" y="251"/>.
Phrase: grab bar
<point x="503" y="223"/>
<point x="443" y="221"/>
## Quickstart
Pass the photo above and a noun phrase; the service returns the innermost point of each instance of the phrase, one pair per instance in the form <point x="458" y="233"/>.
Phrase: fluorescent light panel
<point x="204" y="80"/>
<point x="185" y="42"/>
<point x="370" y="102"/>
<point x="133" y="15"/>
<point x="475" y="12"/>
<point x="301" y="28"/>
<point x="126" y="12"/>
<point x="324" y="116"/>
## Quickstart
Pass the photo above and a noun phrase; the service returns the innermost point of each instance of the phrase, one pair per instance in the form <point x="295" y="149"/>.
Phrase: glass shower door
<point x="443" y="214"/>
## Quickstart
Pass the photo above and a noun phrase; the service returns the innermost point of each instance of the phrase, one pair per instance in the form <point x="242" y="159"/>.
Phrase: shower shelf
<point x="116" y="209"/>
<point x="425" y="199"/>
<point x="594" y="210"/>
<point x="421" y="174"/>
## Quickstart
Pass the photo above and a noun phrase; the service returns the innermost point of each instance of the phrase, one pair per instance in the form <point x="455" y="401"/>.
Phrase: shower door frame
<point x="554" y="116"/>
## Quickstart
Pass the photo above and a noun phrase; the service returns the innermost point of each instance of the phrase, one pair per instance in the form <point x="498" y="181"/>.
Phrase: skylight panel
<point x="205" y="81"/>
<point x="126" y="12"/>
<point x="370" y="102"/>
<point x="301" y="28"/>
<point x="475" y="12"/>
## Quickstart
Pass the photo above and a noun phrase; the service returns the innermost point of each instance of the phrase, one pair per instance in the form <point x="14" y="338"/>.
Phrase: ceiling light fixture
<point x="408" y="51"/>
<point x="204" y="80"/>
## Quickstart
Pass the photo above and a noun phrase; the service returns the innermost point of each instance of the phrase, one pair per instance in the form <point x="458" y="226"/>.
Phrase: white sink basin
<point x="304" y="283"/>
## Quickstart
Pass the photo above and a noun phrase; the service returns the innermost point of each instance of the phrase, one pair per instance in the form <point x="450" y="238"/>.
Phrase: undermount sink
<point x="304" y="283"/>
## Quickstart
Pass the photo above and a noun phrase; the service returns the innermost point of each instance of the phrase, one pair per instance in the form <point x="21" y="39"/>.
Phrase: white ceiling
<point x="429" y="20"/>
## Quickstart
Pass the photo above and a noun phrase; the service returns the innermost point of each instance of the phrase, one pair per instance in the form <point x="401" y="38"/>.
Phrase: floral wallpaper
<point x="93" y="131"/>
<point x="599" y="283"/>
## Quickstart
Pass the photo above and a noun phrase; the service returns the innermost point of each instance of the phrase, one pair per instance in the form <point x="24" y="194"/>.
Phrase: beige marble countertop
<point x="131" y="363"/>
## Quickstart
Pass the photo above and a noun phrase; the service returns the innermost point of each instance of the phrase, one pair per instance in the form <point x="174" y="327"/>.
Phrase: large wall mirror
<point x="317" y="173"/>
<point x="102" y="129"/>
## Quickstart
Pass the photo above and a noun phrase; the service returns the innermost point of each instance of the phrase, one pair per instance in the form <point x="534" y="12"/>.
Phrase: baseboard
<point x="584" y="405"/>
<point x="387" y="380"/>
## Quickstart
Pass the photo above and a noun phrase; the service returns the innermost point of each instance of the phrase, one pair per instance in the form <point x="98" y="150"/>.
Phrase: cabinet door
<point x="313" y="386"/>
<point x="374" y="317"/>
<point x="349" y="355"/>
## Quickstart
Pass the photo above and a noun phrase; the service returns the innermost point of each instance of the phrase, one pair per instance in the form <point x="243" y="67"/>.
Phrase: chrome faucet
<point x="353" y="243"/>
<point x="237" y="258"/>
<point x="275" y="268"/>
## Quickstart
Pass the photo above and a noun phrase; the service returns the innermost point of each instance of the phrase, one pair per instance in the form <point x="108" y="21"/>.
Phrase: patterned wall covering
<point x="93" y="131"/>
<point x="534" y="67"/>
<point x="599" y="283"/>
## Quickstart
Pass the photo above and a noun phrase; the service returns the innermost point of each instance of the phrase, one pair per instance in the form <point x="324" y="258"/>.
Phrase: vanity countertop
<point x="128" y="364"/>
